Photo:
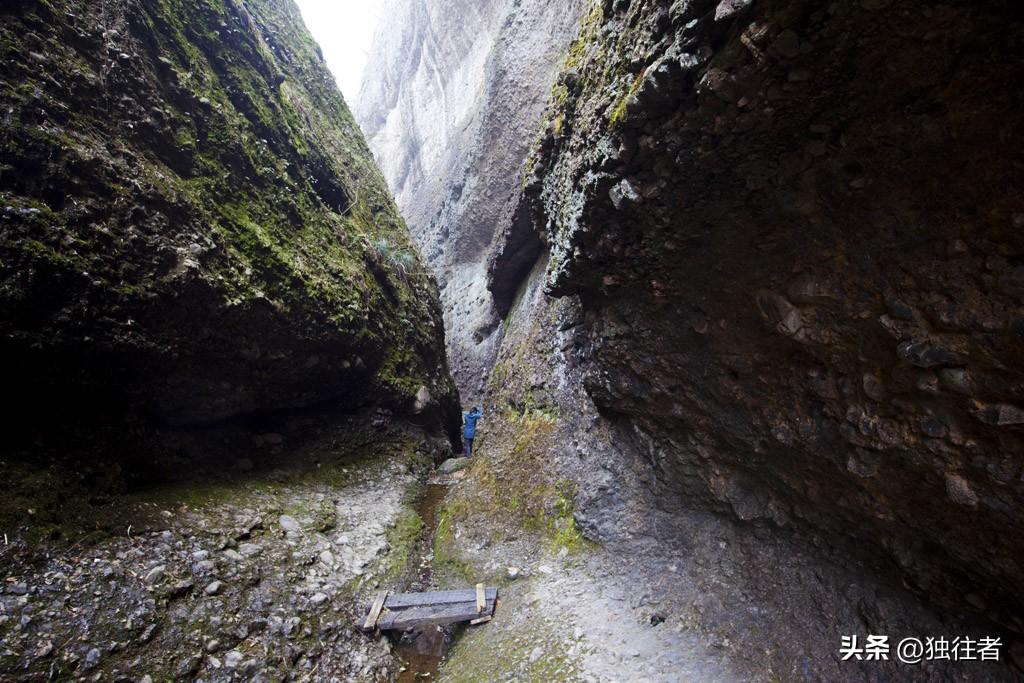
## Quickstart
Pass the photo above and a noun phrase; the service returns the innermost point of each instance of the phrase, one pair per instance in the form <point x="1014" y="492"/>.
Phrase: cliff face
<point x="795" y="233"/>
<point x="193" y="228"/>
<point x="450" y="106"/>
<point x="772" y="332"/>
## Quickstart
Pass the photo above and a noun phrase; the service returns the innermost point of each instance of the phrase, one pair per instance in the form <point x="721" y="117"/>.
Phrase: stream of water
<point x="422" y="650"/>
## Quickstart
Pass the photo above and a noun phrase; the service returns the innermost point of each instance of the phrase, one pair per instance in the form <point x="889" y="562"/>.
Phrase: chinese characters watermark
<point x="917" y="650"/>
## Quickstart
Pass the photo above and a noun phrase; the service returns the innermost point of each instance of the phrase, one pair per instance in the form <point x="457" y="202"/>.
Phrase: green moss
<point x="402" y="540"/>
<point x="446" y="557"/>
<point x="621" y="108"/>
<point x="487" y="654"/>
<point x="248" y="144"/>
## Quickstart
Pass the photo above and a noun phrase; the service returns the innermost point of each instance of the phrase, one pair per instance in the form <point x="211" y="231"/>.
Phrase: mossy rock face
<point x="192" y="227"/>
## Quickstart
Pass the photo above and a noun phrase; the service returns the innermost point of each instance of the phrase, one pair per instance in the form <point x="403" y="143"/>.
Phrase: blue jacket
<point x="469" y="431"/>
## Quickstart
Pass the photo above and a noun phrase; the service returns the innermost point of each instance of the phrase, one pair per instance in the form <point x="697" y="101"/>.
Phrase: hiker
<point x="469" y="430"/>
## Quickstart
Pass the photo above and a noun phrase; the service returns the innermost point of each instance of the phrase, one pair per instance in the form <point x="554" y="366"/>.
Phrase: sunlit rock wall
<point x="451" y="103"/>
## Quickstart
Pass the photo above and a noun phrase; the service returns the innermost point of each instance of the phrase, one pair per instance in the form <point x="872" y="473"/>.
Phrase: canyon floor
<point x="257" y="575"/>
<point x="262" y="575"/>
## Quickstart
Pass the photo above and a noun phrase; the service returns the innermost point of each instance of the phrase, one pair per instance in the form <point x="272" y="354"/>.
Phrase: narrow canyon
<point x="738" y="286"/>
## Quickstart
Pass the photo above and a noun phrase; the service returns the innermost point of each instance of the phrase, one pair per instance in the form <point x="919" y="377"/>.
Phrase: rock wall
<point x="192" y="229"/>
<point x="795" y="234"/>
<point x="753" y="307"/>
<point x="451" y="104"/>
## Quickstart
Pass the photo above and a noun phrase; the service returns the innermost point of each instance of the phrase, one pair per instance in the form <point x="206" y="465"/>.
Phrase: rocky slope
<point x="256" y="576"/>
<point x="193" y="228"/>
<point x="450" y="106"/>
<point x="770" y="339"/>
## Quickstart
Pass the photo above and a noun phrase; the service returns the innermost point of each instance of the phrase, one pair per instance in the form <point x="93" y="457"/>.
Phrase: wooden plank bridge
<point x="402" y="611"/>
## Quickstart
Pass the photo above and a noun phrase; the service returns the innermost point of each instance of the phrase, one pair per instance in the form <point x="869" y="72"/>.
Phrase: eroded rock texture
<point x="192" y="227"/>
<point x="795" y="230"/>
<point x="451" y="105"/>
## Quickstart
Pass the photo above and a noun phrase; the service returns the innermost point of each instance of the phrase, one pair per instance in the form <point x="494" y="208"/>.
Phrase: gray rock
<point x="155" y="575"/>
<point x="1000" y="415"/>
<point x="423" y="400"/>
<point x="204" y="567"/>
<point x="188" y="667"/>
<point x="45" y="649"/>
<point x="92" y="658"/>
<point x="925" y="354"/>
<point x="959" y="490"/>
<point x="233" y="555"/>
<point x="248" y="668"/>
<point x="729" y="8"/>
<point x="624" y="194"/>
<point x="233" y="658"/>
<point x="318" y="598"/>
<point x="213" y="588"/>
<point x="289" y="523"/>
<point x="497" y="108"/>
<point x="453" y="465"/>
<point x="290" y="624"/>
<point x="250" y="549"/>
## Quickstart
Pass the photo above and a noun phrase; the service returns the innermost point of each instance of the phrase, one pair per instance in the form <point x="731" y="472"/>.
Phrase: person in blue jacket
<point x="469" y="430"/>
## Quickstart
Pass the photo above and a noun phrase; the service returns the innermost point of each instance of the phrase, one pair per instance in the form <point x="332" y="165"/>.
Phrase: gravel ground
<point x="722" y="603"/>
<point x="258" y="579"/>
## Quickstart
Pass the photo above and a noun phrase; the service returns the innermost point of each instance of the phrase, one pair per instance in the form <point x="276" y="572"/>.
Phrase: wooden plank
<point x="481" y="620"/>
<point x="378" y="605"/>
<point x="481" y="601"/>
<point x="433" y="614"/>
<point x="403" y="600"/>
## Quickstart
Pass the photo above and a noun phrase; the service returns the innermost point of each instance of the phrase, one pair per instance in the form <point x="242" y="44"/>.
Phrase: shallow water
<point x="421" y="651"/>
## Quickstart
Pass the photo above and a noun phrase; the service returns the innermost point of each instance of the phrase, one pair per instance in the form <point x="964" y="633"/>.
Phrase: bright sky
<point x="344" y="29"/>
